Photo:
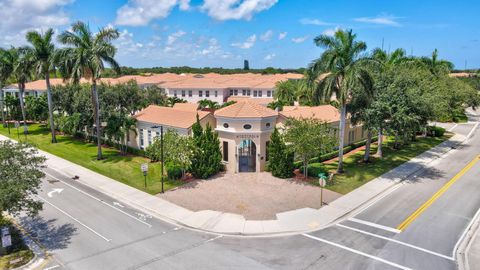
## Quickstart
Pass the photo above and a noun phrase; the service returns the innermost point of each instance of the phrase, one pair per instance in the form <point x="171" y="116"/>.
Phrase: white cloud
<point x="269" y="57"/>
<point x="308" y="21"/>
<point x="282" y="35"/>
<point x="331" y="31"/>
<point x="235" y="9"/>
<point x="17" y="17"/>
<point x="382" y="19"/>
<point x="247" y="44"/>
<point x="141" y="12"/>
<point x="299" y="39"/>
<point x="174" y="36"/>
<point x="126" y="44"/>
<point x="266" y="36"/>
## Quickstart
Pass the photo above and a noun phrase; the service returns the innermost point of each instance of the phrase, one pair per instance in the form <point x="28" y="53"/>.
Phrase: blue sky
<point x="278" y="33"/>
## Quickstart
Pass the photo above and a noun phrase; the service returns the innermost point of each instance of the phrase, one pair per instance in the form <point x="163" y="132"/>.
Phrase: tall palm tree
<point x="22" y="73"/>
<point x="387" y="62"/>
<point x="436" y="66"/>
<point x="341" y="71"/>
<point x="6" y="69"/>
<point x="86" y="58"/>
<point x="43" y="56"/>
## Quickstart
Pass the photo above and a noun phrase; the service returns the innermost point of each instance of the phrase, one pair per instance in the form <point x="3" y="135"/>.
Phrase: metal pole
<point x="145" y="178"/>
<point x="161" y="154"/>
<point x="321" y="196"/>
<point x="18" y="135"/>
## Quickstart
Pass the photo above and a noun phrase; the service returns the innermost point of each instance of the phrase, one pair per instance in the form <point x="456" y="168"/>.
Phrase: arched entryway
<point x="247" y="152"/>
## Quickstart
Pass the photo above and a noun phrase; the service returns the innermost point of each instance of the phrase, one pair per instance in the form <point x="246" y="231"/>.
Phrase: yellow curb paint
<point x="435" y="196"/>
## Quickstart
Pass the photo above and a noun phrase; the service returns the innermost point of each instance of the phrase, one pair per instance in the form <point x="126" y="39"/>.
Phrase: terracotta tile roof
<point x="182" y="81"/>
<point x="189" y="107"/>
<point x="326" y="113"/>
<point x="168" y="116"/>
<point x="245" y="109"/>
<point x="261" y="101"/>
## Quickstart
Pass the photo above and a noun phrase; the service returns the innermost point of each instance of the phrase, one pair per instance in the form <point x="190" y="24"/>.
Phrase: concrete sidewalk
<point x="300" y="220"/>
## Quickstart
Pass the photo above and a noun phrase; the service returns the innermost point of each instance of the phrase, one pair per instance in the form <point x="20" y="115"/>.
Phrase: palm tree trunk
<point x="2" y="106"/>
<point x="366" y="157"/>
<point x="96" y="109"/>
<point x="343" y="112"/>
<point x="21" y="88"/>
<point x="50" y="107"/>
<point x="380" y="143"/>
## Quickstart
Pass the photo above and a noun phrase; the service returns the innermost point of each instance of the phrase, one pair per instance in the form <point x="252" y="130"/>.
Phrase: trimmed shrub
<point x="434" y="131"/>
<point x="314" y="169"/>
<point x="174" y="172"/>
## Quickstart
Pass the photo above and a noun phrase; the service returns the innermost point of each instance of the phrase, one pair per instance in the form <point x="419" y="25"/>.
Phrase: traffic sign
<point x="17" y="124"/>
<point x="5" y="230"/>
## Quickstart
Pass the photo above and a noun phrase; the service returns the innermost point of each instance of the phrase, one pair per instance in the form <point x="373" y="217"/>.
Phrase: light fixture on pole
<point x="161" y="152"/>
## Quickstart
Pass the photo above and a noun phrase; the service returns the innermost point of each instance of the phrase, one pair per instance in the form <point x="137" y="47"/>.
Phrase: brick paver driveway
<point x="253" y="195"/>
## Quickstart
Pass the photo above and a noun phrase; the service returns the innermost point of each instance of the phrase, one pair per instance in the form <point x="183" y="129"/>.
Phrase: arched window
<point x="247" y="126"/>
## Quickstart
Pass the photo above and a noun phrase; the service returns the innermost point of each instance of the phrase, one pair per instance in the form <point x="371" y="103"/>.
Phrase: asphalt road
<point x="84" y="229"/>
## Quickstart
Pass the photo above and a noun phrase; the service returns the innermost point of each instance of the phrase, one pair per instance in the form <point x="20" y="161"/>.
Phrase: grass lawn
<point x="16" y="255"/>
<point x="125" y="169"/>
<point x="358" y="173"/>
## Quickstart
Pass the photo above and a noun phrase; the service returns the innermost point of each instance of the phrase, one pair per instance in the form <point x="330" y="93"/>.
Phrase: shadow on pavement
<point x="51" y="236"/>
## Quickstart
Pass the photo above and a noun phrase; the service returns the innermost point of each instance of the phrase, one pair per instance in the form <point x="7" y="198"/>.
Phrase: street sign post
<point x="17" y="125"/>
<point x="144" y="168"/>
<point x="322" y="182"/>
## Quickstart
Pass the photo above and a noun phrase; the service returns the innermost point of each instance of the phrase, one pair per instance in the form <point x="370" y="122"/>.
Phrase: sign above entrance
<point x="248" y="136"/>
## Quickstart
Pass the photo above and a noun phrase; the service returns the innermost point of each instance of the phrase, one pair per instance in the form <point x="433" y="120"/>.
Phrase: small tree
<point x="20" y="178"/>
<point x="207" y="156"/>
<point x="308" y="138"/>
<point x="280" y="160"/>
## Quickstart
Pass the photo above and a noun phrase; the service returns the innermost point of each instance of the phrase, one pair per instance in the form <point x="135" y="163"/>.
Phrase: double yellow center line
<point x="435" y="196"/>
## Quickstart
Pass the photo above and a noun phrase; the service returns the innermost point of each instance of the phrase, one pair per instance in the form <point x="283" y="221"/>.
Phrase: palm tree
<point x="22" y="73"/>
<point x="387" y="62"/>
<point x="6" y="69"/>
<point x="86" y="58"/>
<point x="285" y="92"/>
<point x="437" y="67"/>
<point x="341" y="71"/>
<point x="43" y="56"/>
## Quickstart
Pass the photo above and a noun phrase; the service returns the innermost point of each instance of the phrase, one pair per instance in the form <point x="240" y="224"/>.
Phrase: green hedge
<point x="315" y="168"/>
<point x="334" y="154"/>
<point x="434" y="131"/>
<point x="174" y="172"/>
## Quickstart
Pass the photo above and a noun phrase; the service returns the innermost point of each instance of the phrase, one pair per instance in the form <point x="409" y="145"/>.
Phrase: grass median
<point x="358" y="173"/>
<point x="125" y="169"/>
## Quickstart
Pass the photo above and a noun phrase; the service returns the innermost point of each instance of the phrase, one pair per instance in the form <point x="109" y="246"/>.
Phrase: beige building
<point x="243" y="128"/>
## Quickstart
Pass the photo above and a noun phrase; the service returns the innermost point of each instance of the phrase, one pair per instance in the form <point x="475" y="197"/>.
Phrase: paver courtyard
<point x="254" y="195"/>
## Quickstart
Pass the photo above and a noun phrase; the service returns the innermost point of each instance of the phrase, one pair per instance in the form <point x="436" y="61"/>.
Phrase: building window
<point x="225" y="125"/>
<point x="190" y="93"/>
<point x="149" y="138"/>
<point x="259" y="93"/>
<point x="269" y="93"/>
<point x="200" y="93"/>
<point x="235" y="92"/>
<point x="247" y="126"/>
<point x="248" y="92"/>
<point x="231" y="92"/>
<point x="244" y="92"/>
<point x="267" y="125"/>
<point x="255" y="93"/>
<point x="216" y="93"/>
<point x="141" y="138"/>
<point x="225" y="151"/>
<point x="183" y="93"/>
<point x="175" y="93"/>
<point x="207" y="93"/>
<point x="267" y="144"/>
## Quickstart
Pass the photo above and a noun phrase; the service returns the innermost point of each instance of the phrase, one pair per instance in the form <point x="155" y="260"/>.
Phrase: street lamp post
<point x="161" y="152"/>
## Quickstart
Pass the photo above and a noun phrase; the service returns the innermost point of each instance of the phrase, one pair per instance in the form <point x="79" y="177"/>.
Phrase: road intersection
<point x="85" y="229"/>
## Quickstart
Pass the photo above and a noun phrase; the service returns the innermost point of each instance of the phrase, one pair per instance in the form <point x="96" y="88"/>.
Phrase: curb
<point x="472" y="234"/>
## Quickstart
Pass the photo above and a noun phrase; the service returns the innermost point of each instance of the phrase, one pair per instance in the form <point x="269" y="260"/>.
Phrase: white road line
<point x="379" y="198"/>
<point x="78" y="221"/>
<point x="53" y="267"/>
<point x="371" y="224"/>
<point x="470" y="224"/>
<point x="398" y="242"/>
<point x="452" y="128"/>
<point x="95" y="198"/>
<point x="214" y="238"/>
<point x="473" y="129"/>
<point x="357" y="252"/>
